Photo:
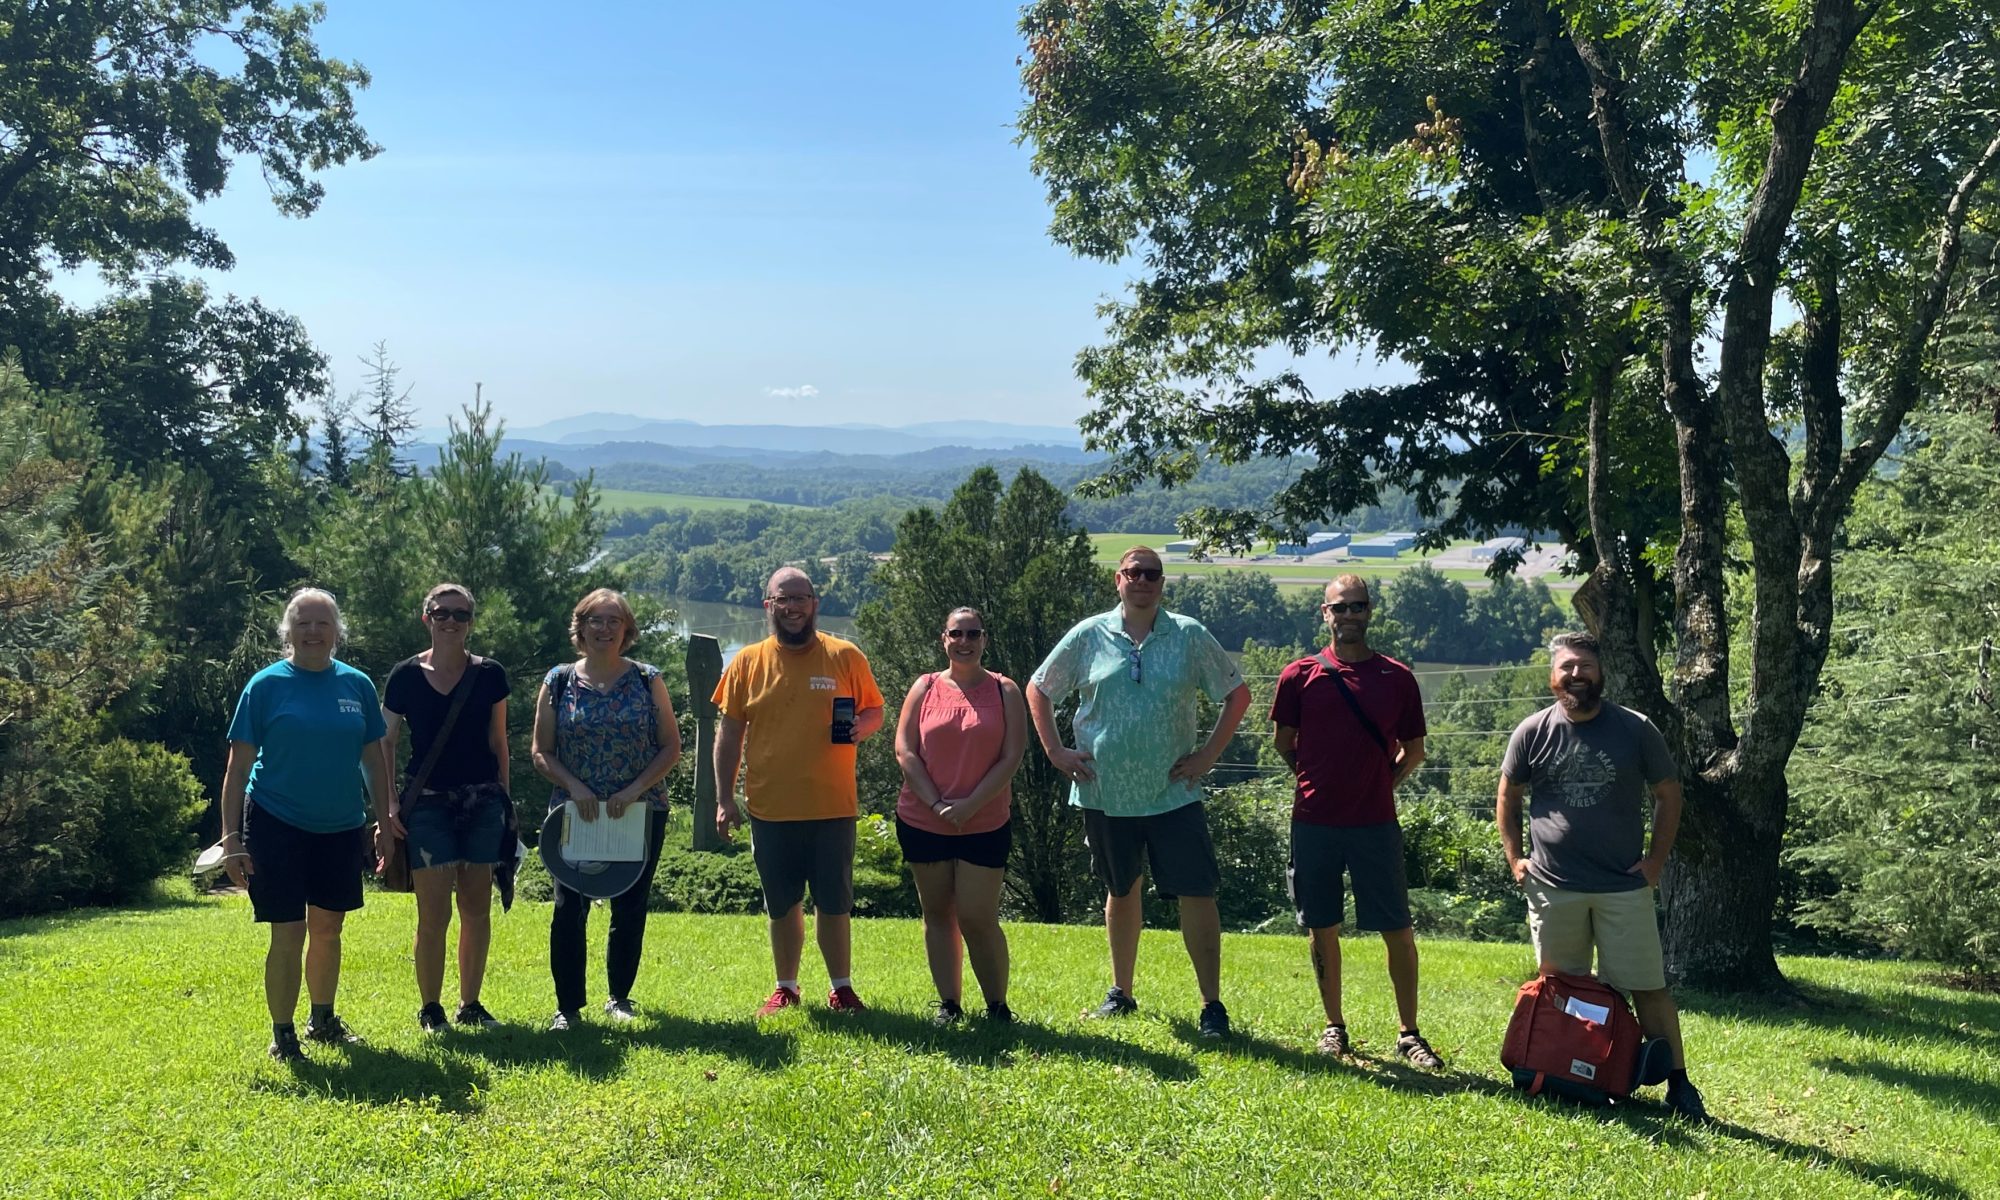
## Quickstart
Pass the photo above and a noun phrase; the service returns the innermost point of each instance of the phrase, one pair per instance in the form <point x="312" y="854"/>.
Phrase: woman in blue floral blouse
<point x="605" y="733"/>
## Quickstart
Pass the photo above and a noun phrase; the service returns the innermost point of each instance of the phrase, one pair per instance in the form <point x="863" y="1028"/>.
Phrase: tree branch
<point x="1906" y="375"/>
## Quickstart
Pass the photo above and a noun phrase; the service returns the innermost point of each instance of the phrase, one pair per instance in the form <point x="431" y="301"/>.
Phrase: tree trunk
<point x="1721" y="889"/>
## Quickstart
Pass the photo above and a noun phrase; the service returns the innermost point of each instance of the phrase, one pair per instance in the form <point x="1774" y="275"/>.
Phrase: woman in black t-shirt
<point x="458" y="826"/>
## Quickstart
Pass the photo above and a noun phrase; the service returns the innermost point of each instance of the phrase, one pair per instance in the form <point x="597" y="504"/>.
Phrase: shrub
<point x="150" y="801"/>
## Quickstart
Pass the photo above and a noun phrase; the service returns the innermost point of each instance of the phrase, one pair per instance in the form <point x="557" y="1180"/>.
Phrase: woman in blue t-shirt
<point x="307" y="734"/>
<point x="457" y="826"/>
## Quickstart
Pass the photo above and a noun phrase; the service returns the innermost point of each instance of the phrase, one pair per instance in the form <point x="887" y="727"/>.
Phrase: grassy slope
<point x="131" y="1064"/>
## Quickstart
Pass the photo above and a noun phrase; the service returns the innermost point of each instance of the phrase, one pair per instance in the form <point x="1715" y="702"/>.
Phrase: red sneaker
<point x="843" y="999"/>
<point x="781" y="998"/>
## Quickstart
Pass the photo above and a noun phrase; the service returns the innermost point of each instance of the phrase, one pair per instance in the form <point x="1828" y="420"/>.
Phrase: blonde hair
<point x="1129" y="555"/>
<point x="446" y="589"/>
<point x="301" y="596"/>
<point x="592" y="600"/>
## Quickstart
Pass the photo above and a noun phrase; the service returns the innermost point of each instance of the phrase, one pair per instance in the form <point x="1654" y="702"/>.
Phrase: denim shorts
<point x="460" y="827"/>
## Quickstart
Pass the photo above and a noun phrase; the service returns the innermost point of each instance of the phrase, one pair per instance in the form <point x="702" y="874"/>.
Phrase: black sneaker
<point x="332" y="1031"/>
<point x="1000" y="1014"/>
<point x="565" y="1020"/>
<point x="1116" y="1004"/>
<point x="620" y="1009"/>
<point x="1333" y="1042"/>
<point x="1685" y="1100"/>
<point x="430" y="1018"/>
<point x="285" y="1047"/>
<point x="1214" y="1020"/>
<point x="947" y="1012"/>
<point x="472" y="1012"/>
<point x="1413" y="1049"/>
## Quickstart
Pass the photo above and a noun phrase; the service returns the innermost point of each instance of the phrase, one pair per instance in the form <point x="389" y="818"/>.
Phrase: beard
<point x="1588" y="694"/>
<point x="803" y="636"/>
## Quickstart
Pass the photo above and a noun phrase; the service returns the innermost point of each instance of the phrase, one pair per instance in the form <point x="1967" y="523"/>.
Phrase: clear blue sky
<point x="785" y="212"/>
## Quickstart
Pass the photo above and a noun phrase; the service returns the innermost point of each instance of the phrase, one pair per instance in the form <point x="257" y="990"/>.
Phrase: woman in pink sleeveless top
<point x="959" y="741"/>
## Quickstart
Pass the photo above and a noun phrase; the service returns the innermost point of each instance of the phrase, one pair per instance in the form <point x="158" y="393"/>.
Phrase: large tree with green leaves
<point x="117" y="117"/>
<point x="1011" y="554"/>
<point x="1651" y="266"/>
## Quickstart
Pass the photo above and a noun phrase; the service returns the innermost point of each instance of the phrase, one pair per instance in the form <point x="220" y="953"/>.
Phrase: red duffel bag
<point x="1573" y="1036"/>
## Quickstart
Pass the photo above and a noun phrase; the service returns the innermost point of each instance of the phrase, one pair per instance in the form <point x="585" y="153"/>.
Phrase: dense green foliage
<point x="1899" y="795"/>
<point x="726" y="555"/>
<point x="1424" y="615"/>
<point x="85" y="815"/>
<point x="1580" y="226"/>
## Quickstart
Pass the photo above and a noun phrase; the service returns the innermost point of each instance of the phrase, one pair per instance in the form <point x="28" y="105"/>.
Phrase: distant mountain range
<point x="601" y="439"/>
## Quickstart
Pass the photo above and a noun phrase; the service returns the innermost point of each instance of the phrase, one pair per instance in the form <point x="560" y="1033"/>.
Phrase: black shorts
<point x="1175" y="843"/>
<point x="1372" y="854"/>
<point x="292" y="867"/>
<point x="987" y="849"/>
<point x="792" y="854"/>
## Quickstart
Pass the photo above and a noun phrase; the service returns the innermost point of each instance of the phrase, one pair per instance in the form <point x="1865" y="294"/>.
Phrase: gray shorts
<point x="1175" y="843"/>
<point x="792" y="854"/>
<point x="1372" y="854"/>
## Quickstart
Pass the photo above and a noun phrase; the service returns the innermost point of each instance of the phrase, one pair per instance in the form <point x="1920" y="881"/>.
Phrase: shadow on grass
<point x="1947" y="1020"/>
<point x="365" y="1074"/>
<point x="71" y="918"/>
<point x="976" y="1042"/>
<point x="1945" y="1088"/>
<point x="1656" y="1122"/>
<point x="1382" y="1072"/>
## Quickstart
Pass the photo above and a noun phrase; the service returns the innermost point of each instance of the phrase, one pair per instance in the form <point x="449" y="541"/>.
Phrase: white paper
<point x="607" y="839"/>
<point x="1596" y="1014"/>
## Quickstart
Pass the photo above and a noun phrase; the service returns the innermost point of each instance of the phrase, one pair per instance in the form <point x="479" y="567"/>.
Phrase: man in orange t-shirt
<point x="795" y="706"/>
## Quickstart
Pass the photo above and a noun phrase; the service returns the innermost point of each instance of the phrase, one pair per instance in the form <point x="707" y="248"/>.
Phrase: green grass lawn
<point x="132" y="1064"/>
<point x="614" y="500"/>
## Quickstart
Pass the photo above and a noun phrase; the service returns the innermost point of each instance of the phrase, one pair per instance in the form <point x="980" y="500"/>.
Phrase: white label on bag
<point x="1582" y="1069"/>
<point x="1596" y="1014"/>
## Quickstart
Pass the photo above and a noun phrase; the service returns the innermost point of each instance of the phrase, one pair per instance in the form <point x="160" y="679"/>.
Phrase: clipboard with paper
<point x="606" y="839"/>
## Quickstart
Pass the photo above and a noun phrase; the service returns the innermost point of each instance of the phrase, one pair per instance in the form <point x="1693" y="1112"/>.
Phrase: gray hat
<point x="597" y="880"/>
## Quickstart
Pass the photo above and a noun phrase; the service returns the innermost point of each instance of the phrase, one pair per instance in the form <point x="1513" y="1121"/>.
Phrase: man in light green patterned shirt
<point x="1137" y="767"/>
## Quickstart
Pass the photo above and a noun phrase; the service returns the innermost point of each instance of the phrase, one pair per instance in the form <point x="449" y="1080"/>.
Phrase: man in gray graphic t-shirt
<point x="1587" y="766"/>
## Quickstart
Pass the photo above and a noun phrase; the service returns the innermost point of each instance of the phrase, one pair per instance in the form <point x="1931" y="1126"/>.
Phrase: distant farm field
<point x="614" y="500"/>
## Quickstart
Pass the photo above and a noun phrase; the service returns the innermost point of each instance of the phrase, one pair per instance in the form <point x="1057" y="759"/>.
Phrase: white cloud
<point x="804" y="391"/>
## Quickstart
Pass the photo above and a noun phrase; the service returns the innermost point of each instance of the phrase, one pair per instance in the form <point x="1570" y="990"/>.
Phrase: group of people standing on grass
<point x="795" y="706"/>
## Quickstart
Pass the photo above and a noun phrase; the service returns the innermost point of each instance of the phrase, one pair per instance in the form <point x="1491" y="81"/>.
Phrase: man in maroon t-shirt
<point x="1351" y="724"/>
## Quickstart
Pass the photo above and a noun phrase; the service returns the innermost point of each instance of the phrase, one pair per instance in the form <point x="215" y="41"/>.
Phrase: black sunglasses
<point x="1346" y="606"/>
<point x="1135" y="667"/>
<point x="461" y="615"/>
<point x="1149" y="574"/>
<point x="958" y="635"/>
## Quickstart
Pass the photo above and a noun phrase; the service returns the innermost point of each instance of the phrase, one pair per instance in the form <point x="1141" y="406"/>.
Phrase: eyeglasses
<point x="597" y="621"/>
<point x="790" y="601"/>
<point x="461" y="615"/>
<point x="1360" y="606"/>
<point x="1148" y="574"/>
<point x="1135" y="667"/>
<point x="959" y="635"/>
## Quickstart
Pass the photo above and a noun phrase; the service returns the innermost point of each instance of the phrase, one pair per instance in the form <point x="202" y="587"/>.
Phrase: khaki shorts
<point x="1621" y="926"/>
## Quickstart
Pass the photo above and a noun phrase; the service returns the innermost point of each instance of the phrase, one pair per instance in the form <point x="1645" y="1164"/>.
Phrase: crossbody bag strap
<point x="459" y="695"/>
<point x="1360" y="714"/>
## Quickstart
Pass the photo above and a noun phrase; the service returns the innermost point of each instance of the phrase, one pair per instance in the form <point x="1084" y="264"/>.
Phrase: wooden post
<point x="704" y="671"/>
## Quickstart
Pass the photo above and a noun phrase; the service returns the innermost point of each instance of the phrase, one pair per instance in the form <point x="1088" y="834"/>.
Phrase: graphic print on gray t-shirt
<point x="1588" y="788"/>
